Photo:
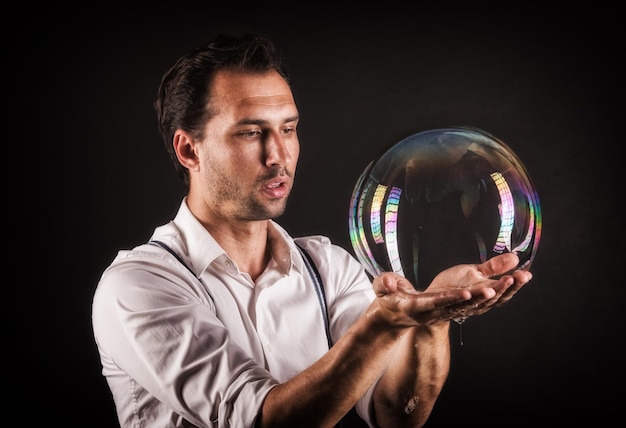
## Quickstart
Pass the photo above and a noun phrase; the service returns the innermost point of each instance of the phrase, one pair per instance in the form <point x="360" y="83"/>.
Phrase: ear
<point x="185" y="148"/>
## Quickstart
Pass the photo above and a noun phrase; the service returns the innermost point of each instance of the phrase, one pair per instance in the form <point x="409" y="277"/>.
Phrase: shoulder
<point x="322" y="249"/>
<point x="143" y="258"/>
<point x="144" y="270"/>
<point x="336" y="264"/>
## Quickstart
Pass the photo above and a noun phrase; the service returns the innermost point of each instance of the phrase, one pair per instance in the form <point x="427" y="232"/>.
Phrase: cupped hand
<point x="459" y="291"/>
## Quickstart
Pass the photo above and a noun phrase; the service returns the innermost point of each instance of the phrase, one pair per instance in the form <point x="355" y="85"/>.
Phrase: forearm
<point x="405" y="397"/>
<point x="321" y="395"/>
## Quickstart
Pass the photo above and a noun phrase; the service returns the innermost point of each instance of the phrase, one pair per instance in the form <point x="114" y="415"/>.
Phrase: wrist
<point x="439" y="327"/>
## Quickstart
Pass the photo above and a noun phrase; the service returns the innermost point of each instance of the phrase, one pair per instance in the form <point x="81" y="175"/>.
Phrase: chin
<point x="278" y="212"/>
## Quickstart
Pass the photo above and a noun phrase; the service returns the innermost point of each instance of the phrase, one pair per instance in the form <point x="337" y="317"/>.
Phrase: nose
<point x="278" y="150"/>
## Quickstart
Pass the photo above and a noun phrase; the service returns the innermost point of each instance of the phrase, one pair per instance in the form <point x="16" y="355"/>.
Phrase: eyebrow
<point x="264" y="122"/>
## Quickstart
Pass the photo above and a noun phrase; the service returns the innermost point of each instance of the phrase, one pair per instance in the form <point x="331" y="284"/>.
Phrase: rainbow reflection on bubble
<point x="443" y="197"/>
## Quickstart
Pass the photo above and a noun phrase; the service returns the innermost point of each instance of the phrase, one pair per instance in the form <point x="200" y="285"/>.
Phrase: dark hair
<point x="183" y="97"/>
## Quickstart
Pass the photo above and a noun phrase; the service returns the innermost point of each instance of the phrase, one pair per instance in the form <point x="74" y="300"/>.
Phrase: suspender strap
<point x="172" y="252"/>
<point x="319" y="290"/>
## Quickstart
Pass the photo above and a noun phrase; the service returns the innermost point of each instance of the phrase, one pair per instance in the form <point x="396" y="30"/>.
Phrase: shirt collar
<point x="283" y="248"/>
<point x="188" y="237"/>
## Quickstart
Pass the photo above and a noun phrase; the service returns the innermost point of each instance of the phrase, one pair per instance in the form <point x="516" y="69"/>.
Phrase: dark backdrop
<point x="363" y="78"/>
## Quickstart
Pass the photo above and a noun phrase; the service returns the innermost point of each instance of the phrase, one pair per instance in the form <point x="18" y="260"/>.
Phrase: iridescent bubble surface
<point x="443" y="197"/>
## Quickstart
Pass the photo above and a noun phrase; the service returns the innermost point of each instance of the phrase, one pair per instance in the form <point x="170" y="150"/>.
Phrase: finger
<point x="433" y="301"/>
<point x="504" y="288"/>
<point x="396" y="293"/>
<point x="479" y="299"/>
<point x="499" y="264"/>
<point x="520" y="278"/>
<point x="389" y="282"/>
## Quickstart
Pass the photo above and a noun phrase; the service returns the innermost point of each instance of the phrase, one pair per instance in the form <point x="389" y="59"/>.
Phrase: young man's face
<point x="249" y="154"/>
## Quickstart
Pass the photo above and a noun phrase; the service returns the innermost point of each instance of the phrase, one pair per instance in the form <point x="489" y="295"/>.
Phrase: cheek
<point x="295" y="153"/>
<point x="237" y="164"/>
<point x="245" y="159"/>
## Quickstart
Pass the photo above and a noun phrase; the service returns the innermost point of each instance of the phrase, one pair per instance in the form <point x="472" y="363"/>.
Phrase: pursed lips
<point x="277" y="187"/>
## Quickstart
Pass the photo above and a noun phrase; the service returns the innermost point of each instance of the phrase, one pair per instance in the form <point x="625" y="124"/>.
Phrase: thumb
<point x="386" y="283"/>
<point x="499" y="265"/>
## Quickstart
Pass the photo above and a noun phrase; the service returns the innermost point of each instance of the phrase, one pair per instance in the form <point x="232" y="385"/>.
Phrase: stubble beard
<point x="246" y="206"/>
<point x="254" y="210"/>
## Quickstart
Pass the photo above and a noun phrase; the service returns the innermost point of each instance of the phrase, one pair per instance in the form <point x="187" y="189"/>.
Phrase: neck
<point x="245" y="242"/>
<point x="246" y="246"/>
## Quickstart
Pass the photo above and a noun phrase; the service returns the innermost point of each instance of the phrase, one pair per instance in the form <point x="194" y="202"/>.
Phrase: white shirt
<point x="203" y="349"/>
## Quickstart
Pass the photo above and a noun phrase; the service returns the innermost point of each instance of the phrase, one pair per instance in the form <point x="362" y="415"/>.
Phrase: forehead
<point x="249" y="90"/>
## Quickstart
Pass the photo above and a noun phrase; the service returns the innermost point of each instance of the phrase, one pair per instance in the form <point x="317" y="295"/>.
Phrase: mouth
<point x="276" y="188"/>
<point x="274" y="184"/>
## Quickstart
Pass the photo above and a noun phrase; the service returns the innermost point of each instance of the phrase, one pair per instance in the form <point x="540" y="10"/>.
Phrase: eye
<point x="250" y="134"/>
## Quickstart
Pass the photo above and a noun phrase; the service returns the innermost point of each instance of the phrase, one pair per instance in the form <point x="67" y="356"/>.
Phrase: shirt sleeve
<point x="155" y="323"/>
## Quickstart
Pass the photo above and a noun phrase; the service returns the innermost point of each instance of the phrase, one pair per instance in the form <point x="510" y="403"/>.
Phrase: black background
<point x="547" y="85"/>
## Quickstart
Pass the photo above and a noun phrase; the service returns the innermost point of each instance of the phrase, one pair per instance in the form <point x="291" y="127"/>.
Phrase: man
<point x="220" y="319"/>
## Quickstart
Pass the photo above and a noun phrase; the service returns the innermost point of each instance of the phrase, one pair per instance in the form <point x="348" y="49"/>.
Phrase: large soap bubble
<point x="443" y="197"/>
